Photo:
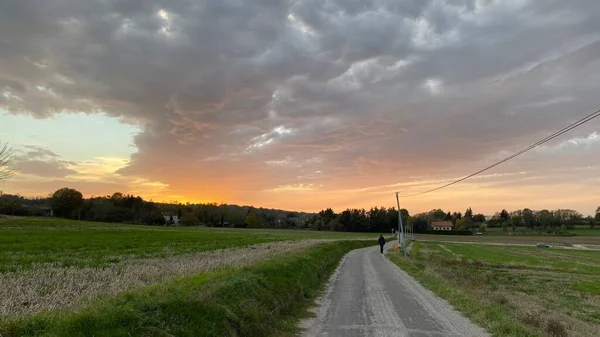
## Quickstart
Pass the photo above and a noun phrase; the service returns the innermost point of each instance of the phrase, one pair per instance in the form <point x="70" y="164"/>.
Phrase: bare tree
<point x="6" y="169"/>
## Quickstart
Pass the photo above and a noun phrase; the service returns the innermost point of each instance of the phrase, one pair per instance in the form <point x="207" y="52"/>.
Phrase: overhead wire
<point x="516" y="154"/>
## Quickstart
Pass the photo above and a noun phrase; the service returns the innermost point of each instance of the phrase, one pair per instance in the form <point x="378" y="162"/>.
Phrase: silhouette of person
<point x="381" y="243"/>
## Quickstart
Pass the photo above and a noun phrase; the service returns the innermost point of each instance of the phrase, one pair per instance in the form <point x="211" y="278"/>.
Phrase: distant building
<point x="171" y="218"/>
<point x="441" y="226"/>
<point x="38" y="210"/>
<point x="47" y="210"/>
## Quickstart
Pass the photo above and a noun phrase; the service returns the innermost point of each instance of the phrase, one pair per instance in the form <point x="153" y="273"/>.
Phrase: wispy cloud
<point x="295" y="188"/>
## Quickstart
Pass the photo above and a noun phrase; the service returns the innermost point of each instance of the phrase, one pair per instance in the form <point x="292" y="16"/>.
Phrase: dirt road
<point x="370" y="296"/>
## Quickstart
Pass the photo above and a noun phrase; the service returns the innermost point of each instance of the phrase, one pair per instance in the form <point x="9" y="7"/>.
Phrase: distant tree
<point x="516" y="218"/>
<point x="528" y="218"/>
<point x="335" y="225"/>
<point x="251" y="220"/>
<point x="12" y="204"/>
<point x="597" y="214"/>
<point x="469" y="213"/>
<point x="436" y="215"/>
<point x="448" y="217"/>
<point x="569" y="217"/>
<point x="6" y="170"/>
<point x="66" y="201"/>
<point x="479" y="218"/>
<point x="544" y="219"/>
<point x="563" y="229"/>
<point x="327" y="215"/>
<point x="505" y="226"/>
<point x="101" y="209"/>
<point x="464" y="223"/>
<point x="189" y="219"/>
<point x="419" y="224"/>
<point x="155" y="217"/>
<point x="504" y="215"/>
<point x="495" y="221"/>
<point x="116" y="197"/>
<point x="455" y="217"/>
<point x="380" y="219"/>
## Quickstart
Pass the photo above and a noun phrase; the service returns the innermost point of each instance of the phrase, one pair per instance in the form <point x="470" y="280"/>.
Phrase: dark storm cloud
<point x="370" y="88"/>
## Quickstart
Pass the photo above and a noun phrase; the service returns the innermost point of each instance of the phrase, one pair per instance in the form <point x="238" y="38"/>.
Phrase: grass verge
<point x="513" y="291"/>
<point x="261" y="300"/>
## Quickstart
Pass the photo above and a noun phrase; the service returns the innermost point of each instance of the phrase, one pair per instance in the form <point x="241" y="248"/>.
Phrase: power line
<point x="530" y="147"/>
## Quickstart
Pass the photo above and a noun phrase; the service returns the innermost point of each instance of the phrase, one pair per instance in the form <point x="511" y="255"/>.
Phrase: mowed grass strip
<point x="26" y="242"/>
<point x="513" y="291"/>
<point x="265" y="299"/>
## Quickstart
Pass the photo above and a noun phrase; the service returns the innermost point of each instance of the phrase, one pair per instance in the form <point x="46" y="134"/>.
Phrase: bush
<point x="189" y="219"/>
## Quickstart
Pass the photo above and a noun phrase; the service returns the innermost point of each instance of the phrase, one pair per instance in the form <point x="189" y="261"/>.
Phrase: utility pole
<point x="401" y="240"/>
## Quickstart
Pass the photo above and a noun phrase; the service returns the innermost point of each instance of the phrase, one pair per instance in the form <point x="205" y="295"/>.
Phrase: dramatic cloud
<point x="243" y="101"/>
<point x="41" y="162"/>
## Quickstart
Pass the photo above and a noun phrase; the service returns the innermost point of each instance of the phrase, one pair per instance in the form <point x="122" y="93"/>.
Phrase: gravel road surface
<point x="370" y="296"/>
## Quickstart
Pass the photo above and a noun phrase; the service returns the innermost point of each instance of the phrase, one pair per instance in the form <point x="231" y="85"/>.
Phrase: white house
<point x="171" y="217"/>
<point x="441" y="226"/>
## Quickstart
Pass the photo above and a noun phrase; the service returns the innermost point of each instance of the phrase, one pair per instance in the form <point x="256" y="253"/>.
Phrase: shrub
<point x="189" y="219"/>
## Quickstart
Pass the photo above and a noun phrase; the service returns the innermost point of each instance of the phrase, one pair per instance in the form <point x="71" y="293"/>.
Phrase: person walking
<point x="381" y="243"/>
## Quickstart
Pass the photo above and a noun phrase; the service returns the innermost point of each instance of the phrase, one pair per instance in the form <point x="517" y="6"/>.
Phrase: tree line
<point x="540" y="221"/>
<point x="379" y="220"/>
<point x="125" y="208"/>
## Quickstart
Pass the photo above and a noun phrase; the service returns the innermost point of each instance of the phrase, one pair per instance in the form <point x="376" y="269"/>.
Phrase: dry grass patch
<point x="46" y="287"/>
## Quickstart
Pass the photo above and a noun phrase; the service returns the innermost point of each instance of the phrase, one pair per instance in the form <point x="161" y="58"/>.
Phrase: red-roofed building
<point x="441" y="226"/>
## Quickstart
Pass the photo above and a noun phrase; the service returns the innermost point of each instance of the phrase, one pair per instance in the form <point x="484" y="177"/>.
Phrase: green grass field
<point x="590" y="239"/>
<point x="513" y="290"/>
<point x="66" y="278"/>
<point x="266" y="299"/>
<point x="29" y="241"/>
<point x="578" y="231"/>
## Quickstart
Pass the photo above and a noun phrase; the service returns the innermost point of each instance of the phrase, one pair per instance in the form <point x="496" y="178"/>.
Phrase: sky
<point x="304" y="104"/>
